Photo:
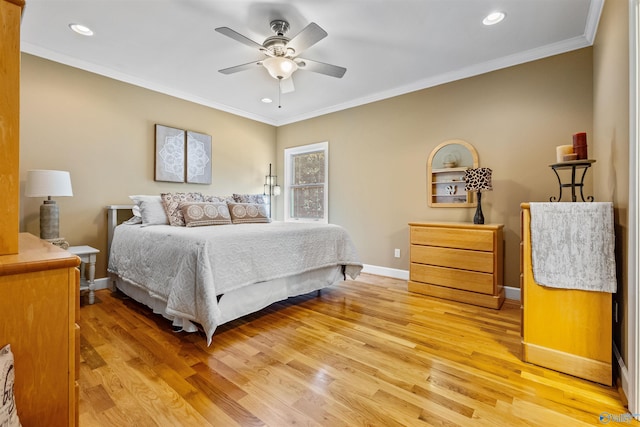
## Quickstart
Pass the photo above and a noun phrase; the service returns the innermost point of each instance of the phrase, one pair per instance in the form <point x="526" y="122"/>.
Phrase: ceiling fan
<point x="281" y="53"/>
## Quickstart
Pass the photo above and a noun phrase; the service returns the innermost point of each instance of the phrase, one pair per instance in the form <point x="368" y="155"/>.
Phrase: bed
<point x="207" y="276"/>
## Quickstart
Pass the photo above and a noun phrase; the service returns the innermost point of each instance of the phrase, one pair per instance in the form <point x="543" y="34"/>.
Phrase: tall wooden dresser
<point x="567" y="330"/>
<point x="39" y="293"/>
<point x="458" y="261"/>
<point x="10" y="13"/>
<point x="40" y="307"/>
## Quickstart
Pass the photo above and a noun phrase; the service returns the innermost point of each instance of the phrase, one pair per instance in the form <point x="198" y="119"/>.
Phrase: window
<point x="306" y="183"/>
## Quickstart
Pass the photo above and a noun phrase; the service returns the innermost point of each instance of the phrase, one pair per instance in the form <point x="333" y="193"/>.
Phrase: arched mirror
<point x="445" y="174"/>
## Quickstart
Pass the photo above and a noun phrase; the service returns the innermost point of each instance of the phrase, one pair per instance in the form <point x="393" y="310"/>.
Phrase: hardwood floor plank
<point x="115" y="417"/>
<point x="126" y="402"/>
<point x="206" y="381"/>
<point x="97" y="398"/>
<point x="363" y="353"/>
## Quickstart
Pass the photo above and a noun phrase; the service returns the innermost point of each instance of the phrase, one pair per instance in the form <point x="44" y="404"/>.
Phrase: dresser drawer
<point x="479" y="240"/>
<point x="452" y="278"/>
<point x="454" y="258"/>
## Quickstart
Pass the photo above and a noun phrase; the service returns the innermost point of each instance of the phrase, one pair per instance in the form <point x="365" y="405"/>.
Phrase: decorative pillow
<point x="197" y="214"/>
<point x="172" y="205"/>
<point x="151" y="210"/>
<point x="8" y="412"/>
<point x="218" y="199"/>
<point x="249" y="198"/>
<point x="248" y="212"/>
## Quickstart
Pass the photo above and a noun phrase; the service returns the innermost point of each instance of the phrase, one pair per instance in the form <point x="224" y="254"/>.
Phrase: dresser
<point x="10" y="13"/>
<point x="458" y="261"/>
<point x="567" y="330"/>
<point x="40" y="306"/>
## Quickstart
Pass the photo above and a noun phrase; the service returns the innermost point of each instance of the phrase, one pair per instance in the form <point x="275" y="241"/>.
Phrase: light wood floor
<point x="363" y="353"/>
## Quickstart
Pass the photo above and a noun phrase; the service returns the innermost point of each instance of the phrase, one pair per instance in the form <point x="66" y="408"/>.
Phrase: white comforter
<point x="189" y="267"/>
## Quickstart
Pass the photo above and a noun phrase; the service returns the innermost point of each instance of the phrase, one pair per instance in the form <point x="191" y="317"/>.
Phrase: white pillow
<point x="8" y="412"/>
<point x="151" y="210"/>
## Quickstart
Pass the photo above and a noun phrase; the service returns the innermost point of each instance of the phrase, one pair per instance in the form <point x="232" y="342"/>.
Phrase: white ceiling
<point x="389" y="47"/>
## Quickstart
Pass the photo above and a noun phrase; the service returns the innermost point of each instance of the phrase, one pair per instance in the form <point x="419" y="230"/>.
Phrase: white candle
<point x="562" y="150"/>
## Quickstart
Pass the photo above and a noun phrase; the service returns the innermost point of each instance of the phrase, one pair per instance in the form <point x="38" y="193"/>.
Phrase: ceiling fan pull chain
<point x="279" y="92"/>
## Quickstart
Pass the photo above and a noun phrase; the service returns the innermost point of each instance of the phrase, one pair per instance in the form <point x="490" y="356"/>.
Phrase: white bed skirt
<point x="243" y="301"/>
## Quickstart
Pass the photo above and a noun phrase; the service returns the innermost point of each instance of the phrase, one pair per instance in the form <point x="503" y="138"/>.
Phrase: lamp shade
<point x="477" y="179"/>
<point x="48" y="183"/>
<point x="280" y="67"/>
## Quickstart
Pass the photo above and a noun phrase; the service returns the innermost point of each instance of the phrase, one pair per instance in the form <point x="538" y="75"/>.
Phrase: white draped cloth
<point x="572" y="245"/>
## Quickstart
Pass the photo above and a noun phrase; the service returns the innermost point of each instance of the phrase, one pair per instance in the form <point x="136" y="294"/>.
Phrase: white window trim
<point x="288" y="175"/>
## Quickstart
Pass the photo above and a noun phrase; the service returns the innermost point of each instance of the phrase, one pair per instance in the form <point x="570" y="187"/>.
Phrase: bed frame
<point x="228" y="302"/>
<point x="112" y="222"/>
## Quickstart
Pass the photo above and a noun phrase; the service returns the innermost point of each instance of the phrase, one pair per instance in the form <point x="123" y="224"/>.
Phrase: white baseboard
<point x="509" y="292"/>
<point x="512" y="293"/>
<point x="385" y="271"/>
<point x="622" y="370"/>
<point x="102" y="283"/>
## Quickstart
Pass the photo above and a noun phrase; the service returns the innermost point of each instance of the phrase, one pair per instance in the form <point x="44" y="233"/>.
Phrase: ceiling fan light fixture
<point x="280" y="67"/>
<point x="493" y="18"/>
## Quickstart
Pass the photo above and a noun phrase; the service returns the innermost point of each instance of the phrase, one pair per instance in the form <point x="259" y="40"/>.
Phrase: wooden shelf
<point x="439" y="176"/>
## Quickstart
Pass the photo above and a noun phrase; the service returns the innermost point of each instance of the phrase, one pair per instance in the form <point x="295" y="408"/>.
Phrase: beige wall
<point x="102" y="131"/>
<point x="513" y="117"/>
<point x="611" y="132"/>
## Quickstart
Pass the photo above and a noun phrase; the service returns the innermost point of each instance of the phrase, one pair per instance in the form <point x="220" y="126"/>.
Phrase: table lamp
<point x="478" y="179"/>
<point x="48" y="183"/>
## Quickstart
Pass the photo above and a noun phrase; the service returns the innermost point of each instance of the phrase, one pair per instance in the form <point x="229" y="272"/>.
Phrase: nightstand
<point x="87" y="256"/>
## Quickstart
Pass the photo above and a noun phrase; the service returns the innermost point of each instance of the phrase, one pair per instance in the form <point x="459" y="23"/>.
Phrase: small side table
<point x="573" y="165"/>
<point x="87" y="256"/>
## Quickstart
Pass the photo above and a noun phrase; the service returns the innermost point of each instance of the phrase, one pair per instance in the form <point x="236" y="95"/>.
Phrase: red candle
<point x="580" y="145"/>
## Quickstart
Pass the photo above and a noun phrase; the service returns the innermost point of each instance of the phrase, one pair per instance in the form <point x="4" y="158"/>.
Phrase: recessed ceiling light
<point x="81" y="29"/>
<point x="267" y="100"/>
<point x="493" y="18"/>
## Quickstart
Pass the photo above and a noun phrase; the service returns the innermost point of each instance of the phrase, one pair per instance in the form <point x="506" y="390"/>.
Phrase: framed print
<point x="170" y="149"/>
<point x="198" y="158"/>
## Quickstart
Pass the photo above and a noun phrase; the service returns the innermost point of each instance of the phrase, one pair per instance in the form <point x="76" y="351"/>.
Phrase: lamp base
<point x="49" y="220"/>
<point x="478" y="218"/>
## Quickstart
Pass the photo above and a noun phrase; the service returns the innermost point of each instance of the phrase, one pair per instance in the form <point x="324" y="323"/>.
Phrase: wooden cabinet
<point x="10" y="13"/>
<point x="40" y="308"/>
<point x="566" y="330"/>
<point x="39" y="291"/>
<point x="458" y="261"/>
<point x="39" y="300"/>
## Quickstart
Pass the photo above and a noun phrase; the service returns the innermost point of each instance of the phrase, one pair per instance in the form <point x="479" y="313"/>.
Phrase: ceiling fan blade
<point x="241" y="67"/>
<point x="321" y="67"/>
<point x="286" y="85"/>
<point x="239" y="37"/>
<point x="310" y="35"/>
